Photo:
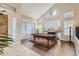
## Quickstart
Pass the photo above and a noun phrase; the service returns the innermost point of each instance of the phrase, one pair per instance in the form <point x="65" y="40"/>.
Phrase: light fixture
<point x="54" y="13"/>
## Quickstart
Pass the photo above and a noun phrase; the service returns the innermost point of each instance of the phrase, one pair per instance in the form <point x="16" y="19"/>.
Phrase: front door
<point x="4" y="24"/>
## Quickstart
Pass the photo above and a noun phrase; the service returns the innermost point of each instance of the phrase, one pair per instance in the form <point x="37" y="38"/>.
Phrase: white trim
<point x="76" y="42"/>
<point x="8" y="7"/>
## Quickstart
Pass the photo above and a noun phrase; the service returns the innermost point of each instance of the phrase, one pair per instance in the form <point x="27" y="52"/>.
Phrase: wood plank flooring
<point x="60" y="49"/>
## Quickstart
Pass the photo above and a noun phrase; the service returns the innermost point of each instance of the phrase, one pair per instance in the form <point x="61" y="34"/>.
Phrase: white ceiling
<point x="35" y="10"/>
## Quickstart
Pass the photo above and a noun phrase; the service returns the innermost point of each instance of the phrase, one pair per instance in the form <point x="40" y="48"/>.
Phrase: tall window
<point x="27" y="28"/>
<point x="67" y="24"/>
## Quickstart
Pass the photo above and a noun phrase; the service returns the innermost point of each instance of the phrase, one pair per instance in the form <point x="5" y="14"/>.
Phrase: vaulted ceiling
<point x="35" y="10"/>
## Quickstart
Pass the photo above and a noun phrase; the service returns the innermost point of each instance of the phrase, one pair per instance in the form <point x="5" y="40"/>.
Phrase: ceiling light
<point x="54" y="13"/>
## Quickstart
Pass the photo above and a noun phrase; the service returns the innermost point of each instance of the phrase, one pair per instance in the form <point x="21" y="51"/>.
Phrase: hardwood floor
<point x="60" y="49"/>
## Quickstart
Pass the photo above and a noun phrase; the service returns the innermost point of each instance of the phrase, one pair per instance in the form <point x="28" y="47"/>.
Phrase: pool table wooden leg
<point x="48" y="43"/>
<point x="34" y="39"/>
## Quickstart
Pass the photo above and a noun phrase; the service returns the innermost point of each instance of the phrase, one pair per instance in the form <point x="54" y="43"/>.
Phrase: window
<point x="27" y="28"/>
<point x="67" y="24"/>
<point x="14" y="27"/>
<point x="69" y="14"/>
<point x="52" y="24"/>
